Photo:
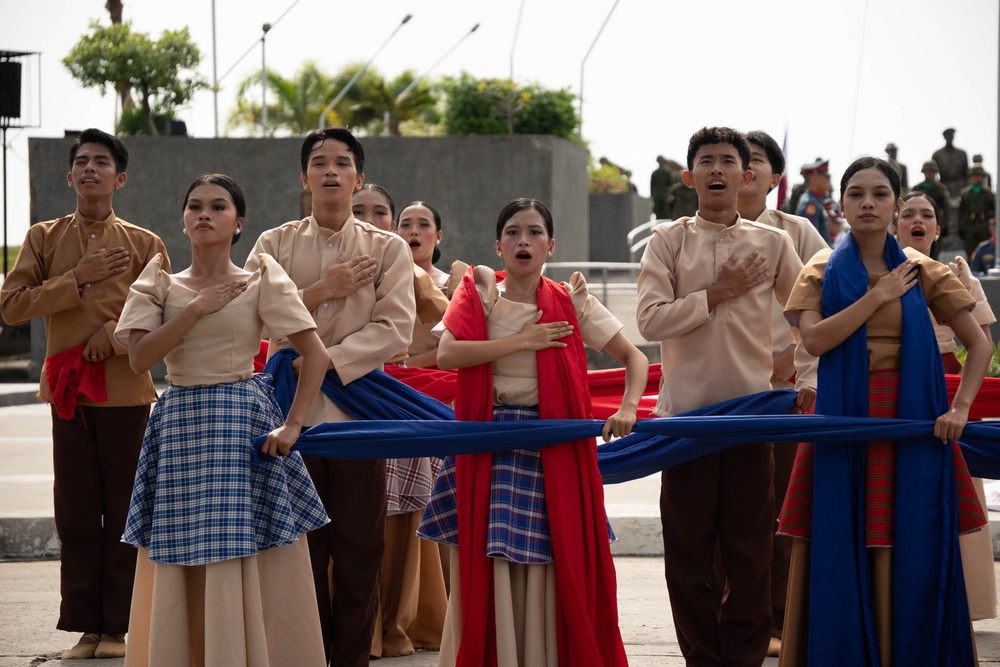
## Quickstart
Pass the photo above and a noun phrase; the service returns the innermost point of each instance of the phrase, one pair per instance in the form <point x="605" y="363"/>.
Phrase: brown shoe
<point x="773" y="647"/>
<point x="84" y="649"/>
<point x="111" y="646"/>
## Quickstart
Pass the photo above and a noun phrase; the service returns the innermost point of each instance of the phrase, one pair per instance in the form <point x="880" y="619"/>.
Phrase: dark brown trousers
<point x="353" y="494"/>
<point x="726" y="501"/>
<point x="94" y="457"/>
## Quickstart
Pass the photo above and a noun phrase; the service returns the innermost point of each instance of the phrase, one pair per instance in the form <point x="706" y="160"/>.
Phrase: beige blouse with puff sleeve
<point x="944" y="293"/>
<point x="515" y="376"/>
<point x="220" y="347"/>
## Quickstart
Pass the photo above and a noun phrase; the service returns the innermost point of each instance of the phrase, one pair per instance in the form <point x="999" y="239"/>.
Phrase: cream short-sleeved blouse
<point x="515" y="376"/>
<point x="220" y="347"/>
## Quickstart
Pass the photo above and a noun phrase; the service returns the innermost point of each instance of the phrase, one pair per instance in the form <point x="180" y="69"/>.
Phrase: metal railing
<point x="644" y="230"/>
<point x="592" y="268"/>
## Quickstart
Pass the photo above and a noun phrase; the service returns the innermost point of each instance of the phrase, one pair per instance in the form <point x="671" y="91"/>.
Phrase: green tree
<point x="605" y="177"/>
<point x="161" y="73"/>
<point x="499" y="106"/>
<point x="294" y="105"/>
<point x="381" y="100"/>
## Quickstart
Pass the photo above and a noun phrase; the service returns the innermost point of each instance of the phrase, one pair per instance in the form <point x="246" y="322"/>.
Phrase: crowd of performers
<point x="327" y="511"/>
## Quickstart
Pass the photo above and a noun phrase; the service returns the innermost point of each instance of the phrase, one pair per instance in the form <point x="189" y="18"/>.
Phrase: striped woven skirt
<point x="518" y="529"/>
<point x="796" y="513"/>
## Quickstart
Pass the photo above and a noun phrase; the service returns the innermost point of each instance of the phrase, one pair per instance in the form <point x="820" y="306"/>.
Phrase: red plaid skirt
<point x="796" y="513"/>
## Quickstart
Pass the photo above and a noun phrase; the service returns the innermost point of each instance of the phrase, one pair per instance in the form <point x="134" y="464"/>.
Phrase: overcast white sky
<point x="844" y="77"/>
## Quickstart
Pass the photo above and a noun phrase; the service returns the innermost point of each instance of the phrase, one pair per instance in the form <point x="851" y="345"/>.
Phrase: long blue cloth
<point x="401" y="422"/>
<point x="930" y="621"/>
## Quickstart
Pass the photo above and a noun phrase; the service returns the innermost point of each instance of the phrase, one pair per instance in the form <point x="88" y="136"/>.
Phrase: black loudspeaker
<point x="176" y="128"/>
<point x="10" y="89"/>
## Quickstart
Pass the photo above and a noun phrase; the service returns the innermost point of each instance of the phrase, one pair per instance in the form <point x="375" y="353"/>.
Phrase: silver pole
<point x="215" y="75"/>
<point x="996" y="214"/>
<point x="584" y="63"/>
<point x="263" y="78"/>
<point x="517" y="29"/>
<point x="413" y="84"/>
<point x="354" y="79"/>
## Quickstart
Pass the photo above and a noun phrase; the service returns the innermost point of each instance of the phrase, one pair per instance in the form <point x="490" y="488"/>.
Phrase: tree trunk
<point x="114" y="8"/>
<point x="147" y="113"/>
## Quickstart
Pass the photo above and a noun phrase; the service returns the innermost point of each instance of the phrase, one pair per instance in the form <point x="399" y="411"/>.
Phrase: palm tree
<point x="294" y="105"/>
<point x="385" y="103"/>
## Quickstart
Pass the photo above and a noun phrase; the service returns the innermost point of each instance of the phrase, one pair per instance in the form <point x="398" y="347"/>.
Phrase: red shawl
<point x="587" y="606"/>
<point x="69" y="376"/>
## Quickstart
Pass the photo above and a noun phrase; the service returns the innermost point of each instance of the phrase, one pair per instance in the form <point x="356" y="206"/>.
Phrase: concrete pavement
<point x="29" y="584"/>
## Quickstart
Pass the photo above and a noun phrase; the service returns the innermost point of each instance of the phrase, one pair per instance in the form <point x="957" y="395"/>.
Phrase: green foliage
<point x="132" y="121"/>
<point x="12" y="255"/>
<point x="161" y="73"/>
<point x="499" y="106"/>
<point x="993" y="370"/>
<point x="294" y="105"/>
<point x="605" y="178"/>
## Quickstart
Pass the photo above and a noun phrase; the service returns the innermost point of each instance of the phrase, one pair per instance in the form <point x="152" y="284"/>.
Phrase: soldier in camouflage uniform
<point x="977" y="161"/>
<point x="976" y="208"/>
<point x="659" y="188"/>
<point x="934" y="189"/>
<point x="683" y="200"/>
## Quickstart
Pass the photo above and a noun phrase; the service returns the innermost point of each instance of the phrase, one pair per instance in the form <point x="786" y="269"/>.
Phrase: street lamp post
<point x="263" y="78"/>
<point x="354" y="79"/>
<point x="517" y="29"/>
<point x="584" y="63"/>
<point x="215" y="77"/>
<point x="218" y="80"/>
<point x="413" y="84"/>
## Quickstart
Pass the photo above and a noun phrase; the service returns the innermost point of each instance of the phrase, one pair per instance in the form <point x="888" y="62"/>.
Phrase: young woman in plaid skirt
<point x="532" y="581"/>
<point x="868" y="584"/>
<point x="223" y="575"/>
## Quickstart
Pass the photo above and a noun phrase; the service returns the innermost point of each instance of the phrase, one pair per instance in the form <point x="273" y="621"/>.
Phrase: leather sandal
<point x="111" y="646"/>
<point x="84" y="649"/>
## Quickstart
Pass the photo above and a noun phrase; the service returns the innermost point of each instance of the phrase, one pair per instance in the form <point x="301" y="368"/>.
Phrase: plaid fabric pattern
<point x="197" y="498"/>
<point x="796" y="513"/>
<point x="408" y="483"/>
<point x="518" y="529"/>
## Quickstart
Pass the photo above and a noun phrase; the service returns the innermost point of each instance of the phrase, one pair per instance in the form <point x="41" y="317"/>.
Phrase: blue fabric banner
<point x="396" y="421"/>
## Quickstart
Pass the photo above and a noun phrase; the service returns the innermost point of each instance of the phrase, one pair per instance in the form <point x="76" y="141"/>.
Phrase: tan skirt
<point x="412" y="595"/>
<point x="795" y="635"/>
<point x="977" y="564"/>
<point x="258" y="611"/>
<point x="525" y="608"/>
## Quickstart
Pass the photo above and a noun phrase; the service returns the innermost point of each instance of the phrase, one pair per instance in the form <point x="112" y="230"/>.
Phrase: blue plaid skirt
<point x="518" y="529"/>
<point x="198" y="498"/>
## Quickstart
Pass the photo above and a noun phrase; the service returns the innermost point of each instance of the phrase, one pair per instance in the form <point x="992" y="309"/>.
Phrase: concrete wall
<point x="991" y="285"/>
<point x="468" y="179"/>
<point x="612" y="217"/>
